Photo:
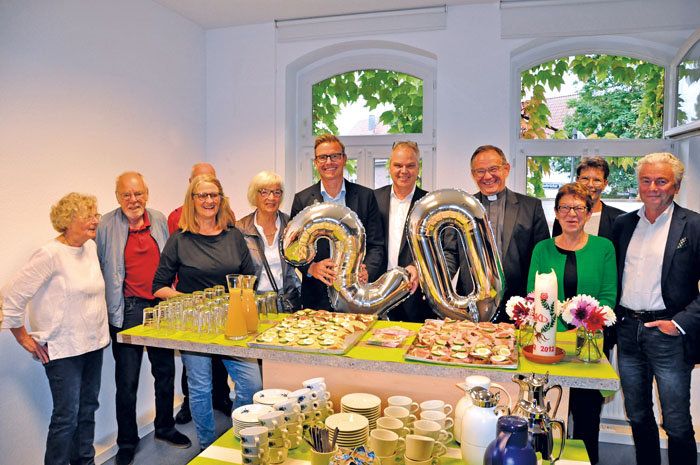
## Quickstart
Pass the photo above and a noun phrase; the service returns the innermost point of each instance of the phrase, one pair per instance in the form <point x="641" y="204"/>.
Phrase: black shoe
<point x="184" y="415"/>
<point x="224" y="406"/>
<point x="124" y="456"/>
<point x="174" y="438"/>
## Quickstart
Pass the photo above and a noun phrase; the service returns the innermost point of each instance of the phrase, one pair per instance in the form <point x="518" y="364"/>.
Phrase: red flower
<point x="544" y="296"/>
<point x="595" y="320"/>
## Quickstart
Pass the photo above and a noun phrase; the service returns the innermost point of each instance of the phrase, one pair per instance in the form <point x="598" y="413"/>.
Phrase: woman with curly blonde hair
<point x="64" y="282"/>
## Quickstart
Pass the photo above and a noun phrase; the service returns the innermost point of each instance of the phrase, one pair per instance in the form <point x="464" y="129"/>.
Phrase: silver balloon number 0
<point x="429" y="217"/>
<point x="343" y="229"/>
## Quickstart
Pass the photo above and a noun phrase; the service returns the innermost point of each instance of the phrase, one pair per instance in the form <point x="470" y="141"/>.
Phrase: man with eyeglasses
<point x="658" y="262"/>
<point x="395" y="201"/>
<point x="330" y="160"/>
<point x="594" y="172"/>
<point x="518" y="223"/>
<point x="220" y="392"/>
<point x="129" y="241"/>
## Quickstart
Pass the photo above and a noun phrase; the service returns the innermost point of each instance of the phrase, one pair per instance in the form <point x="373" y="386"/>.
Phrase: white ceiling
<point x="212" y="14"/>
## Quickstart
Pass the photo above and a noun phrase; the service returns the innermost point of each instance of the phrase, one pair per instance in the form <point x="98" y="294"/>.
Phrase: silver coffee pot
<point x="533" y="392"/>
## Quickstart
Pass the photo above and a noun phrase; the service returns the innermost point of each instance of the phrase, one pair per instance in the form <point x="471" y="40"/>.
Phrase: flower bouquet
<point x="586" y="313"/>
<point x="522" y="311"/>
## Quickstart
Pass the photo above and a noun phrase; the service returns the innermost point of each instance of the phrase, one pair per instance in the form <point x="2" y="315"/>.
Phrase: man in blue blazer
<point x="658" y="257"/>
<point x="518" y="223"/>
<point x="330" y="160"/>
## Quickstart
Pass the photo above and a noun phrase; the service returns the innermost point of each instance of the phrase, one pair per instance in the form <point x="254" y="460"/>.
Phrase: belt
<point x="141" y="299"/>
<point x="646" y="316"/>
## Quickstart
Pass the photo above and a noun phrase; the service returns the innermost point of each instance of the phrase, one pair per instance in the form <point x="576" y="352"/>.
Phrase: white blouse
<point x="68" y="312"/>
<point x="272" y="254"/>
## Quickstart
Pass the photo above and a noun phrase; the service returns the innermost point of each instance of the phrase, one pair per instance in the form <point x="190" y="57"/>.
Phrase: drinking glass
<point x="209" y="293"/>
<point x="261" y="305"/>
<point x="190" y="318"/>
<point x="148" y="318"/>
<point x="219" y="290"/>
<point x="271" y="301"/>
<point x="198" y="297"/>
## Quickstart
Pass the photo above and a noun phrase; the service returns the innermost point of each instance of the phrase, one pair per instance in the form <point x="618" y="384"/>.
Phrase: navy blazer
<point x="314" y="293"/>
<point x="607" y="218"/>
<point x="524" y="226"/>
<point x="680" y="271"/>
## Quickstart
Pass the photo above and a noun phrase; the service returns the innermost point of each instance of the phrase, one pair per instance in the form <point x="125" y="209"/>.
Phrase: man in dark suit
<point x="658" y="258"/>
<point x="517" y="221"/>
<point x="395" y="202"/>
<point x="594" y="172"/>
<point x="330" y="160"/>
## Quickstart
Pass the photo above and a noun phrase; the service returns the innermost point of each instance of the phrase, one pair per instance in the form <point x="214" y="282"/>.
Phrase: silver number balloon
<point x="429" y="217"/>
<point x="346" y="235"/>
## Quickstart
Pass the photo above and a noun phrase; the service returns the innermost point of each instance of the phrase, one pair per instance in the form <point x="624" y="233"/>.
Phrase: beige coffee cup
<point x="436" y="404"/>
<point x="385" y="443"/>
<point x="322" y="458"/>
<point x="392" y="424"/>
<point x="401" y="413"/>
<point x="419" y="447"/>
<point x="433" y="430"/>
<point x="403" y="401"/>
<point x="438" y="417"/>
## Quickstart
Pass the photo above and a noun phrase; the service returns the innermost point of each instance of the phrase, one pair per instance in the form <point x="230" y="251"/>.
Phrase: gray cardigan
<point x="257" y="248"/>
<point x="112" y="234"/>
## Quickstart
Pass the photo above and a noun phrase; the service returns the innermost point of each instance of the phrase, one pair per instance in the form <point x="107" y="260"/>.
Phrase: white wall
<point x="88" y="89"/>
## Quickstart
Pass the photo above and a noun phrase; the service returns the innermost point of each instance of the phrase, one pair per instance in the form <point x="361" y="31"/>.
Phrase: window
<point x="685" y="100"/>
<point x="370" y="99"/>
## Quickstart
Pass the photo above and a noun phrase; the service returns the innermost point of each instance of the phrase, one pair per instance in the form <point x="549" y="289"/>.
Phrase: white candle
<point x="545" y="339"/>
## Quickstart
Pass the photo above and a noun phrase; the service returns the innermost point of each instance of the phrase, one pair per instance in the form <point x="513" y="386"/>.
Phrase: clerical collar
<point x="492" y="198"/>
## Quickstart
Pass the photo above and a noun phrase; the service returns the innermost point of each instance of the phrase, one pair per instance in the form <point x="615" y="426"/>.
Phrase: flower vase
<point x="589" y="344"/>
<point x="525" y="334"/>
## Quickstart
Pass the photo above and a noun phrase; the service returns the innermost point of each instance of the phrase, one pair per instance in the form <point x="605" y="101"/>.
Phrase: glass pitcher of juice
<point x="249" y="309"/>
<point x="235" y="320"/>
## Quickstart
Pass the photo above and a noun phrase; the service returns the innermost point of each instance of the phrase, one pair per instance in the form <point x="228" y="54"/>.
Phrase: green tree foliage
<point x="622" y="97"/>
<point x="403" y="91"/>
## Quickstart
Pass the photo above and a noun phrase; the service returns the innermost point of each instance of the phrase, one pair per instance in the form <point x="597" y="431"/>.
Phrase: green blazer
<point x="595" y="265"/>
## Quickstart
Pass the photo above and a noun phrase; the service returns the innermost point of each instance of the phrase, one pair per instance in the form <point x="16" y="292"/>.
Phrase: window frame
<point x="672" y="128"/>
<point x="527" y="57"/>
<point x="367" y="148"/>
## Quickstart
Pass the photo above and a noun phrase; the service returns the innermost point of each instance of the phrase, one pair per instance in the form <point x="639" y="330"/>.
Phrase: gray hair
<point x="664" y="157"/>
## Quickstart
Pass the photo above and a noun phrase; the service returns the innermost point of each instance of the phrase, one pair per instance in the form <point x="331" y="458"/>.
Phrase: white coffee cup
<point x="438" y="417"/>
<point x="255" y="459"/>
<point x="303" y="395"/>
<point x="437" y="405"/>
<point x="403" y="401"/>
<point x="272" y="420"/>
<point x="401" y="413"/>
<point x="254" y="450"/>
<point x="315" y="384"/>
<point x="276" y="443"/>
<point x="288" y="406"/>
<point x="254" y="436"/>
<point x="278" y="454"/>
<point x="419" y="447"/>
<point x="392" y="424"/>
<point x="433" y="430"/>
<point x="308" y="406"/>
<point x="385" y="442"/>
<point x="280" y="432"/>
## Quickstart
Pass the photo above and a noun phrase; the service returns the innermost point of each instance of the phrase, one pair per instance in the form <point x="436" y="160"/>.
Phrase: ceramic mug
<point x="278" y="454"/>
<point x="419" y="447"/>
<point x="403" y="401"/>
<point x="272" y="420"/>
<point x="433" y="430"/>
<point x="256" y="459"/>
<point x="438" y="417"/>
<point x="254" y="436"/>
<point x="385" y="442"/>
<point x="280" y="432"/>
<point x="254" y="450"/>
<point x="303" y="395"/>
<point x="276" y="443"/>
<point x="322" y="458"/>
<point x="315" y="384"/>
<point x="392" y="424"/>
<point x="436" y="404"/>
<point x="401" y="413"/>
<point x="288" y="406"/>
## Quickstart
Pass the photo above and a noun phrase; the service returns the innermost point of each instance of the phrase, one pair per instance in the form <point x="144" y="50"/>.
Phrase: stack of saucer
<point x="270" y="396"/>
<point x="246" y="416"/>
<point x="367" y="405"/>
<point x="353" y="429"/>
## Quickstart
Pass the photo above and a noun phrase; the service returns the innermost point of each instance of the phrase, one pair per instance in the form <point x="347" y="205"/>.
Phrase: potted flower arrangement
<point x="522" y="311"/>
<point x="586" y="313"/>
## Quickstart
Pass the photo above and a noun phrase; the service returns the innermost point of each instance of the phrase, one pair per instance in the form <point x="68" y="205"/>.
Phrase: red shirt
<point x="141" y="257"/>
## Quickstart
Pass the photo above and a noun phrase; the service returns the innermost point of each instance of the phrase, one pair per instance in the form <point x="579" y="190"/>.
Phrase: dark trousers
<point x="585" y="406"/>
<point x="127" y="367"/>
<point x="644" y="355"/>
<point x="75" y="386"/>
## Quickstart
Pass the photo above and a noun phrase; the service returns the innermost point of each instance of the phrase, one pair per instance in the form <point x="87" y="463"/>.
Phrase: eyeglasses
<point x="565" y="209"/>
<point x="96" y="216"/>
<point x="332" y="156"/>
<point x="481" y="172"/>
<point x="128" y="195"/>
<point x="266" y="192"/>
<point x="591" y="180"/>
<point x="203" y="196"/>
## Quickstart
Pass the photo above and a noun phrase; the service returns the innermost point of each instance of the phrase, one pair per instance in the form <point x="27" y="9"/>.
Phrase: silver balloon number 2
<point x="429" y="217"/>
<point x="343" y="229"/>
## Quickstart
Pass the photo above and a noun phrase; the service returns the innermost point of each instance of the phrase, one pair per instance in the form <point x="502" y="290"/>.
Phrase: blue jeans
<point x="645" y="354"/>
<point x="75" y="386"/>
<point x="245" y="372"/>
